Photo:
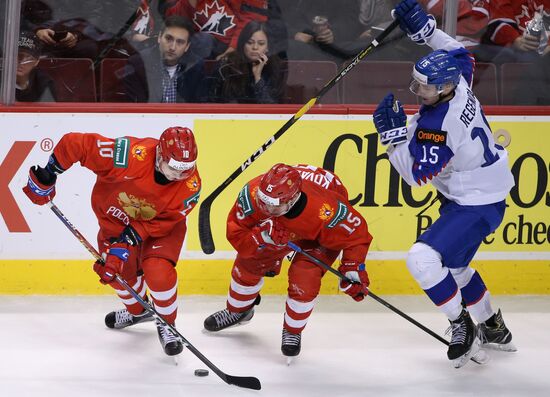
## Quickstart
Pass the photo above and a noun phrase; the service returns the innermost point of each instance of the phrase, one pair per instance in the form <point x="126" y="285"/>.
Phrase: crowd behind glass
<point x="261" y="51"/>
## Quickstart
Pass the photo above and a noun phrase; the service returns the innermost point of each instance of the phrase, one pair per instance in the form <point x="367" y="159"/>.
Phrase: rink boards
<point x="39" y="256"/>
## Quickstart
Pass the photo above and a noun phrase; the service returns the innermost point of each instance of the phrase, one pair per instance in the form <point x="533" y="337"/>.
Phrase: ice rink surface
<point x="60" y="347"/>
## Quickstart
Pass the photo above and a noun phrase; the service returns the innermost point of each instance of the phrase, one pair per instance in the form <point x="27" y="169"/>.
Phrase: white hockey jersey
<point x="451" y="144"/>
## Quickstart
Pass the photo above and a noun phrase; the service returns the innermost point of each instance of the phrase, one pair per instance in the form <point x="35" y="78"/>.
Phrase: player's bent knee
<point x="160" y="273"/>
<point x="424" y="264"/>
<point x="462" y="275"/>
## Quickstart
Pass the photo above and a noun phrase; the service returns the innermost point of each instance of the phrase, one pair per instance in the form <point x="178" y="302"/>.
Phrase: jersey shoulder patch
<point x="245" y="200"/>
<point x="331" y="215"/>
<point x="122" y="150"/>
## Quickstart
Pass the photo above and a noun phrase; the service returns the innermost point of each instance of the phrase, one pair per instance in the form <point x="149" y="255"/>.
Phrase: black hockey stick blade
<point x="248" y="382"/>
<point x="205" y="232"/>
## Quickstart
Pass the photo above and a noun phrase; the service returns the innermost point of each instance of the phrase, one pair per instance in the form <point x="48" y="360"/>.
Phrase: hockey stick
<point x="205" y="232"/>
<point x="247" y="382"/>
<point x="371" y="294"/>
<point x="299" y="250"/>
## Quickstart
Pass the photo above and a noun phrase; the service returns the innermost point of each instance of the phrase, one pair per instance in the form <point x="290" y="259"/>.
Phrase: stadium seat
<point x="511" y="76"/>
<point x="111" y="85"/>
<point x="73" y="78"/>
<point x="369" y="81"/>
<point x="306" y="78"/>
<point x="485" y="83"/>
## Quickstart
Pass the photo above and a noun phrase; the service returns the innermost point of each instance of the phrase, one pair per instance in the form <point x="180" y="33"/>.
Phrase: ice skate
<point x="171" y="344"/>
<point x="465" y="341"/>
<point x="123" y="318"/>
<point x="224" y="318"/>
<point x="291" y="345"/>
<point x="495" y="335"/>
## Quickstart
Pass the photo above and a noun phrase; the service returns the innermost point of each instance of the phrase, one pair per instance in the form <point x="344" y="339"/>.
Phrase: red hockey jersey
<point x="328" y="218"/>
<point x="224" y="19"/>
<point x="509" y="17"/>
<point x="125" y="191"/>
<point x="472" y="18"/>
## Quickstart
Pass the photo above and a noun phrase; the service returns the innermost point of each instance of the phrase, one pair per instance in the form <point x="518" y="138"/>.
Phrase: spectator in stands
<point x="32" y="85"/>
<point x="166" y="72"/>
<point x="472" y="19"/>
<point x="508" y="40"/>
<point x="78" y="29"/>
<point x="220" y="22"/>
<point x="249" y="74"/>
<point x="338" y="30"/>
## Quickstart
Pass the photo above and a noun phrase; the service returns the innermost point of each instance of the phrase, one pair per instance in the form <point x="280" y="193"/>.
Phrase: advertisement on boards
<point x="347" y="144"/>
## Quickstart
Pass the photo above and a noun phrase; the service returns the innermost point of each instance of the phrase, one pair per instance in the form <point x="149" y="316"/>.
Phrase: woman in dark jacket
<point x="249" y="74"/>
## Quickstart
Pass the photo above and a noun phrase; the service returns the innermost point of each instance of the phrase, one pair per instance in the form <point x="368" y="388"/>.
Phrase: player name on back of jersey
<point x="469" y="111"/>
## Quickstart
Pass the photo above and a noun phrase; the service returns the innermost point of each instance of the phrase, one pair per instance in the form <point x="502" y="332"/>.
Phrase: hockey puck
<point x="201" y="372"/>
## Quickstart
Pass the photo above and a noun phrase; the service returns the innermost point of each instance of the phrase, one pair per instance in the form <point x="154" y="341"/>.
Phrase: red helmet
<point x="279" y="190"/>
<point x="177" y="151"/>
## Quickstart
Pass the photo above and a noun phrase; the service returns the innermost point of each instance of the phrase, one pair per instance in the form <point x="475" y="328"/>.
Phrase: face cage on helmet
<point x="174" y="170"/>
<point x="273" y="206"/>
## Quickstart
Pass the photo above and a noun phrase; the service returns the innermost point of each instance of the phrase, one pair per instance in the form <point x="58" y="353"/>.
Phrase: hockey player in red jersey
<point x="145" y="189"/>
<point x="306" y="205"/>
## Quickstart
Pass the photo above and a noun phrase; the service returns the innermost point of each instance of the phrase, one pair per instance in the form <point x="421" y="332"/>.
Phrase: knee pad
<point x="462" y="275"/>
<point x="424" y="264"/>
<point x="304" y="280"/>
<point x="159" y="274"/>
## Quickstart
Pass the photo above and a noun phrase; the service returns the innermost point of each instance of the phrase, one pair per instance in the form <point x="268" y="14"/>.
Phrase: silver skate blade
<point x="503" y="347"/>
<point x="175" y="360"/>
<point x="481" y="357"/>
<point x="463" y="360"/>
<point x="289" y="361"/>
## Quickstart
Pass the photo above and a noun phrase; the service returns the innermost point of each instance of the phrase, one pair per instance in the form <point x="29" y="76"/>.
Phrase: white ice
<point x="60" y="347"/>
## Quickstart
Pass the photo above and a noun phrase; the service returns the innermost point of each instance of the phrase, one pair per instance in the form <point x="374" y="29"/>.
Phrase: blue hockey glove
<point x="390" y="120"/>
<point x="414" y="21"/>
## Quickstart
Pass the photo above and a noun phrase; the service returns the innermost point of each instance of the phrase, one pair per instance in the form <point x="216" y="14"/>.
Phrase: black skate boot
<point x="123" y="318"/>
<point x="224" y="318"/>
<point x="465" y="340"/>
<point x="495" y="335"/>
<point x="171" y="344"/>
<point x="291" y="343"/>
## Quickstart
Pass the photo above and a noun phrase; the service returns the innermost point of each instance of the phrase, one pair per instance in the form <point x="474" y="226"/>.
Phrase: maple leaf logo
<point x="527" y="13"/>
<point x="214" y="19"/>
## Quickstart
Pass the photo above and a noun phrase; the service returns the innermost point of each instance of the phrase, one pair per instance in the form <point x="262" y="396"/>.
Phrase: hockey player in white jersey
<point x="449" y="144"/>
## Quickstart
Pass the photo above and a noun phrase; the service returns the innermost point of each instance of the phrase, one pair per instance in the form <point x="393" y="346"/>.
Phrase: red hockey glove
<point x="117" y="256"/>
<point x="270" y="234"/>
<point x="41" y="185"/>
<point x="357" y="273"/>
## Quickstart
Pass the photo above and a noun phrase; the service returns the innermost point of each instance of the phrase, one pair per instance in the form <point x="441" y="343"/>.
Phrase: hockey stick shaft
<point x="248" y="382"/>
<point x="205" y="231"/>
<point x="371" y="294"/>
<point x="118" y="35"/>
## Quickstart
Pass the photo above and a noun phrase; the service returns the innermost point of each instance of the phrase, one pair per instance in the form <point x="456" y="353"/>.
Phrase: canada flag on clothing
<point x="215" y="18"/>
